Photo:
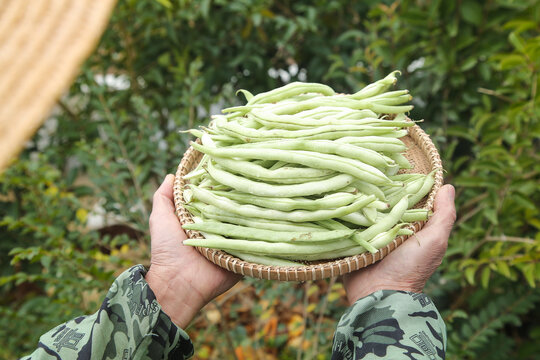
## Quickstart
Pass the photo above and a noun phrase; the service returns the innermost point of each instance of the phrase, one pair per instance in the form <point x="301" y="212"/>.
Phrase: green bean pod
<point x="290" y="90"/>
<point x="252" y="170"/>
<point x="264" y="189"/>
<point x="377" y="143"/>
<point x="385" y="238"/>
<point x="237" y="231"/>
<point x="294" y="216"/>
<point x="215" y="213"/>
<point x="400" y="160"/>
<point x="412" y="188"/>
<point x="336" y="225"/>
<point x="367" y="156"/>
<point x="386" y="223"/>
<point x="331" y="201"/>
<point x="264" y="260"/>
<point x="352" y="167"/>
<point x="298" y="250"/>
<point x="266" y="117"/>
<point x="235" y="129"/>
<point x="328" y="255"/>
<point x="424" y="190"/>
<point x="377" y="87"/>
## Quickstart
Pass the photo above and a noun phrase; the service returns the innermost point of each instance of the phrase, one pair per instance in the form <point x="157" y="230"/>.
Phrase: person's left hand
<point x="182" y="279"/>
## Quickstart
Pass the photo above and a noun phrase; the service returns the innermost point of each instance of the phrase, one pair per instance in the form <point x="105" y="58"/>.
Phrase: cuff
<point x="164" y="338"/>
<point x="390" y="323"/>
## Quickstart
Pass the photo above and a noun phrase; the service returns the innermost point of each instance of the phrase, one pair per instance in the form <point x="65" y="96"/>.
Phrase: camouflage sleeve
<point x="390" y="324"/>
<point x="129" y="324"/>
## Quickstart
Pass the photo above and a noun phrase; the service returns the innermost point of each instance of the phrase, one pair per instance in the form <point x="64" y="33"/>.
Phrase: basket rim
<point x="310" y="271"/>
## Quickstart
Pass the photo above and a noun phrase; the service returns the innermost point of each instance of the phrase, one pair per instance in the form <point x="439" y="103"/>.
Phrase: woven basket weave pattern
<point x="421" y="153"/>
<point x="42" y="45"/>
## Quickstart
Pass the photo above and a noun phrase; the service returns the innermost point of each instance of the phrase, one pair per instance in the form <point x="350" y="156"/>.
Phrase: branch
<point x="320" y="318"/>
<point x="494" y="93"/>
<point x="505" y="238"/>
<point x="129" y="164"/>
<point x="304" y="317"/>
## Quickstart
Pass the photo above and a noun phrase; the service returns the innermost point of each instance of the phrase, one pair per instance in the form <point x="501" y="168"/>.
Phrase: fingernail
<point x="451" y="192"/>
<point x="167" y="179"/>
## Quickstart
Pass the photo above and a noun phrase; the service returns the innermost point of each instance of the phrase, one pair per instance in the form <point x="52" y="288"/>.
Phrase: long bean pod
<point x="336" y="225"/>
<point x="235" y="129"/>
<point x="237" y="231"/>
<point x="253" y="170"/>
<point x="367" y="156"/>
<point x="263" y="247"/>
<point x="424" y="190"/>
<point x="264" y="189"/>
<point x="359" y="170"/>
<point x="294" y="216"/>
<point x="290" y="90"/>
<point x="330" y="201"/>
<point x="377" y="87"/>
<point x="386" y="223"/>
<point x="385" y="238"/>
<point x="214" y="213"/>
<point x="268" y="117"/>
<point x="264" y="260"/>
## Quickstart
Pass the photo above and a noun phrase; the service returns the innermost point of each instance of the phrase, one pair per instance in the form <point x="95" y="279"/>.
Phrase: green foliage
<point x="165" y="65"/>
<point x="50" y="264"/>
<point x="499" y="228"/>
<point x="474" y="336"/>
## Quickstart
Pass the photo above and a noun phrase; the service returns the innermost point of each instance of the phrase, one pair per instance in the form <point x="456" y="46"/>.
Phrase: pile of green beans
<point x="300" y="173"/>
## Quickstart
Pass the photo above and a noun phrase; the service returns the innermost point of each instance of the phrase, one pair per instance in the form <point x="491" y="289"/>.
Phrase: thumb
<point x="444" y="214"/>
<point x="163" y="221"/>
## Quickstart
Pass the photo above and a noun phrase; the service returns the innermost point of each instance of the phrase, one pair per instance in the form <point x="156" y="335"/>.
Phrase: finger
<point x="437" y="230"/>
<point x="444" y="214"/>
<point x="166" y="189"/>
<point x="162" y="204"/>
<point x="163" y="221"/>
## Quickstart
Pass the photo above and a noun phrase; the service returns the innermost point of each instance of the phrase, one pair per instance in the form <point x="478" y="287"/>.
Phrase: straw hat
<point x="42" y="45"/>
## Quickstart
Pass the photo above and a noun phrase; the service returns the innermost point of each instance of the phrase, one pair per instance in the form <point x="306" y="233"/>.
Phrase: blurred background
<point x="74" y="207"/>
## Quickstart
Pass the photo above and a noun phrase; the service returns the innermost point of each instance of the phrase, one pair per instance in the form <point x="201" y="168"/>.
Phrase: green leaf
<point x="528" y="271"/>
<point x="520" y="25"/>
<point x="491" y="215"/>
<point x="512" y="61"/>
<point x="469" y="63"/>
<point x="517" y="42"/>
<point x="452" y="27"/>
<point x="534" y="222"/>
<point x="460" y="314"/>
<point x="504" y="269"/>
<point x="469" y="274"/>
<point x="165" y="3"/>
<point x="471" y="12"/>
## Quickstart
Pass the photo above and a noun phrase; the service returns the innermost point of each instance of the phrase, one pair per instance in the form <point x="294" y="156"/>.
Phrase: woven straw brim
<point x="42" y="45"/>
<point x="421" y="153"/>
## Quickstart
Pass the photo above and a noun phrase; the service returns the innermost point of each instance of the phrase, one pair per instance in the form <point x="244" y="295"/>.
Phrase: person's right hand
<point x="182" y="279"/>
<point x="409" y="266"/>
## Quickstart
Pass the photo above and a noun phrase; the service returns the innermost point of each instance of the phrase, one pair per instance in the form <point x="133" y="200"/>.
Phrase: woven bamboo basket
<point x="421" y="153"/>
<point x="42" y="46"/>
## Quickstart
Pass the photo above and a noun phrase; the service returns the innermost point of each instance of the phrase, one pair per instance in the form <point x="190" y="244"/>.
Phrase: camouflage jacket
<point x="128" y="325"/>
<point x="131" y="325"/>
<point x="390" y="324"/>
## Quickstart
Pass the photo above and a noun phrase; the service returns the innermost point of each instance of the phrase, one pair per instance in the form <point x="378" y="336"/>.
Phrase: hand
<point x="182" y="279"/>
<point x="410" y="265"/>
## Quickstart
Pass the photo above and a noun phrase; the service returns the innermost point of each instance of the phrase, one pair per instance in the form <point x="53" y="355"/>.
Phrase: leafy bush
<point x="74" y="207"/>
